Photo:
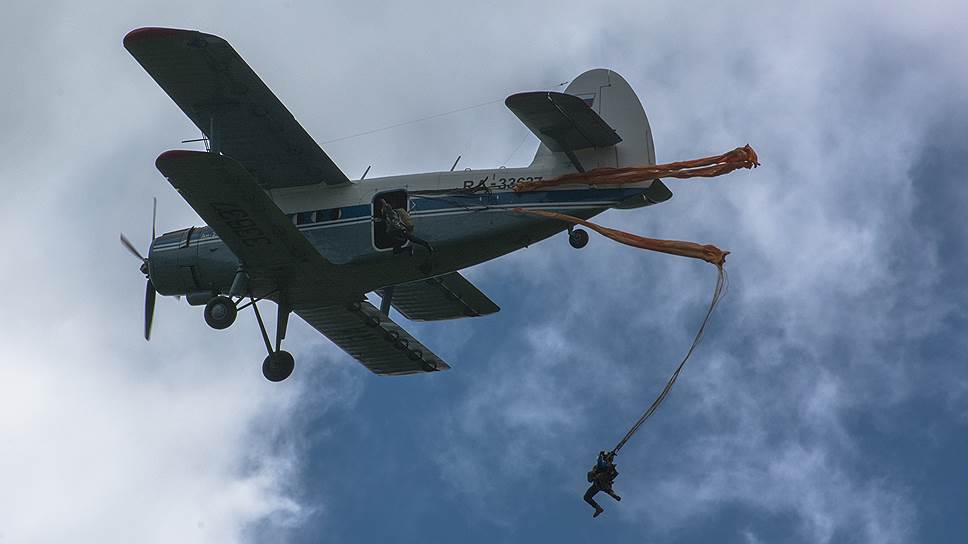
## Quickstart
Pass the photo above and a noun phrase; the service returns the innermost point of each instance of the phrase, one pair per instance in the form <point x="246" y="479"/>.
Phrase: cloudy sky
<point x="829" y="402"/>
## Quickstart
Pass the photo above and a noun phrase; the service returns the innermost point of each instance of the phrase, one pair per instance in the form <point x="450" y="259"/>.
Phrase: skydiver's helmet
<point x="602" y="461"/>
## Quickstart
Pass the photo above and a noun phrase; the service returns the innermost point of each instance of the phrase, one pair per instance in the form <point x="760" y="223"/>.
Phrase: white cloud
<point x="97" y="453"/>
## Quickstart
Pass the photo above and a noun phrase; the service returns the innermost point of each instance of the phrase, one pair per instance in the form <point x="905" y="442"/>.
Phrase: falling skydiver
<point x="601" y="477"/>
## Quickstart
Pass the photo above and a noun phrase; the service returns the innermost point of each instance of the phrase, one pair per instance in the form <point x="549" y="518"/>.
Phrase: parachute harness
<point x="741" y="157"/>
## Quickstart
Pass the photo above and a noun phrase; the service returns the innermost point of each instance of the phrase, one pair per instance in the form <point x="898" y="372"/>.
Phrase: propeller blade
<point x="149" y="308"/>
<point x="154" y="216"/>
<point x="127" y="243"/>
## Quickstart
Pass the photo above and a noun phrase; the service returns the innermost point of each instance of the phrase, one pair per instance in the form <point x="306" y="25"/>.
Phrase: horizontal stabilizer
<point x="449" y="296"/>
<point x="562" y="122"/>
<point x="372" y="339"/>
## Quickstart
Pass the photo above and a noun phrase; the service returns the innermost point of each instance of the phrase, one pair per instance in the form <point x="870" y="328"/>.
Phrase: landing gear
<point x="277" y="366"/>
<point x="578" y="238"/>
<point x="220" y="312"/>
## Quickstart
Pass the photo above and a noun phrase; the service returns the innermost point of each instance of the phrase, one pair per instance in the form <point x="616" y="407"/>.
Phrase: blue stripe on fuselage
<point x="448" y="204"/>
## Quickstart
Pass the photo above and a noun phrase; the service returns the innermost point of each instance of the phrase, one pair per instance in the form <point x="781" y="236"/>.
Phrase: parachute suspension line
<point x="708" y="253"/>
<point x="722" y="284"/>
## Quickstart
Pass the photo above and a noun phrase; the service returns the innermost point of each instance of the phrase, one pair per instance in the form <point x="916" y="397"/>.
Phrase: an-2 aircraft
<point x="285" y="224"/>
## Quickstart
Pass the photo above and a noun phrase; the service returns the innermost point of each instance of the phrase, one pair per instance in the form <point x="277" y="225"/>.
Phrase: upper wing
<point x="562" y="122"/>
<point x="372" y="339"/>
<point x="227" y="197"/>
<point x="233" y="107"/>
<point x="449" y="296"/>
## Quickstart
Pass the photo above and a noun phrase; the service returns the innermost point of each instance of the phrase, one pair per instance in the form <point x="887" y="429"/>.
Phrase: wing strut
<point x="278" y="365"/>
<point x="386" y="300"/>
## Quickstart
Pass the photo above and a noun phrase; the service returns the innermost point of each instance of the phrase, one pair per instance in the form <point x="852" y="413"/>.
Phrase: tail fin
<point x="614" y="100"/>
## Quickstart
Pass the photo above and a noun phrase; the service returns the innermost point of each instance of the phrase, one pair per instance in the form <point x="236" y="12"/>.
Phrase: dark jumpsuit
<point x="602" y="477"/>
<point x="400" y="228"/>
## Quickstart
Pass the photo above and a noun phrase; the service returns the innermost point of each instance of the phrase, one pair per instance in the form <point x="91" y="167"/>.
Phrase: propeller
<point x="149" y="287"/>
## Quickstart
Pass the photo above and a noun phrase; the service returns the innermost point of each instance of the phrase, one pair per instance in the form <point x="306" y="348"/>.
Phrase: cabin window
<point x="180" y="235"/>
<point x="331" y="214"/>
<point x="305" y="218"/>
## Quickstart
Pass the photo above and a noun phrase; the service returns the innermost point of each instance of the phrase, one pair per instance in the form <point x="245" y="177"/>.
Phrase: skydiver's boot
<point x="598" y="511"/>
<point x="422" y="242"/>
<point x="612" y="494"/>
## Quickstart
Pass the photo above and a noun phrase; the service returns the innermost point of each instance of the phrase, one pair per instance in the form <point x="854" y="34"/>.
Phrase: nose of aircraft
<point x="149" y="287"/>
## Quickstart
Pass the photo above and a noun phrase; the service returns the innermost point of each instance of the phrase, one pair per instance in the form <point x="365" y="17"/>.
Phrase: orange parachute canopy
<point x="709" y="253"/>
<point x="706" y="167"/>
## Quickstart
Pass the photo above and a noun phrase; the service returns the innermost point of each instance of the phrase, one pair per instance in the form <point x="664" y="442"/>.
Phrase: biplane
<point x="283" y="223"/>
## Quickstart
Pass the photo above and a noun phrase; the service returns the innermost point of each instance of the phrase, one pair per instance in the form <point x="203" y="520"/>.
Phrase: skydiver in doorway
<point x="400" y="227"/>
<point x="601" y="478"/>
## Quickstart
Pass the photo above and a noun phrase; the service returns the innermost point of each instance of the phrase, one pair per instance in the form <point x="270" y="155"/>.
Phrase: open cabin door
<point x="398" y="199"/>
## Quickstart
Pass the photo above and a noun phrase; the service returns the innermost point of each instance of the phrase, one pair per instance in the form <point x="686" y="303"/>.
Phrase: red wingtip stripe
<point x="149" y="32"/>
<point x="178" y="154"/>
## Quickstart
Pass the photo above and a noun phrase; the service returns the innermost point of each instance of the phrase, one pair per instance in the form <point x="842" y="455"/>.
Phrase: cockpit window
<point x="201" y="232"/>
<point x="174" y="235"/>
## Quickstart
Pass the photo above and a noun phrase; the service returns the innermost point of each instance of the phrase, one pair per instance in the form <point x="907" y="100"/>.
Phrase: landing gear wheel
<point x="277" y="366"/>
<point x="578" y="238"/>
<point x="220" y="312"/>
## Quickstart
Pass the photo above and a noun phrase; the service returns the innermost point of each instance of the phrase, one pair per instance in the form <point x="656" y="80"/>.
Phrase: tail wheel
<point x="578" y="238"/>
<point x="220" y="312"/>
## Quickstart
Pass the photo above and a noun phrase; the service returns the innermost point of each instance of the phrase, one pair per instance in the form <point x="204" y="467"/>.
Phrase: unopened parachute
<point x="706" y="167"/>
<point x="709" y="253"/>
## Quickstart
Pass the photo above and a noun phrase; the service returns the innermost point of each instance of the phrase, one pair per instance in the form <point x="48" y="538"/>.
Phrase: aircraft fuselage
<point x="467" y="216"/>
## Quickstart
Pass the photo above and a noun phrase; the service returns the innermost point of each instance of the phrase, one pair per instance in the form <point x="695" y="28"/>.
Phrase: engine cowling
<point x="191" y="261"/>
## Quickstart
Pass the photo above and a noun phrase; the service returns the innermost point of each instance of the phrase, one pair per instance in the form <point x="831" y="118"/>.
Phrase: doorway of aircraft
<point x="398" y="199"/>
